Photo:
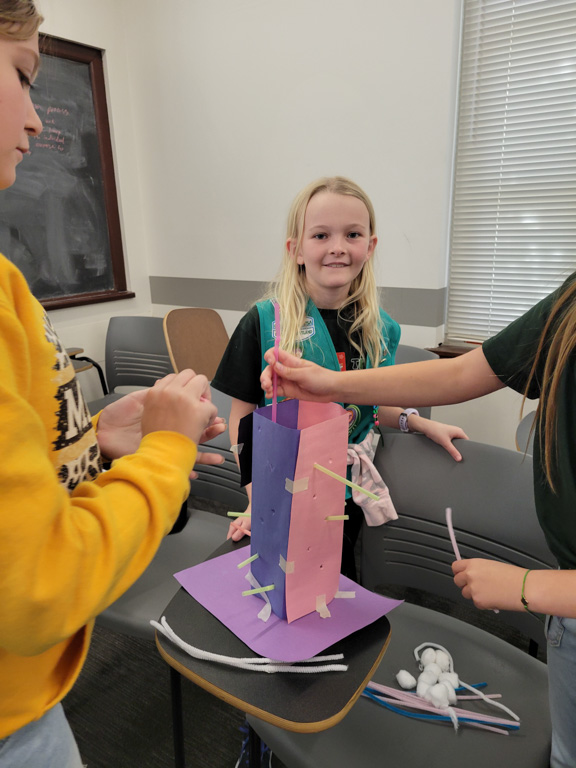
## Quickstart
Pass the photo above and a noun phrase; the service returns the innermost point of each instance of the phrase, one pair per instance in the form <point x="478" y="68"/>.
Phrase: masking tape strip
<point x="286" y="566"/>
<point x="266" y="611"/>
<point x="337" y="517"/>
<point x="238" y="514"/>
<point x="345" y="594"/>
<point x="237" y="449"/>
<point x="321" y="607"/>
<point x="296" y="486"/>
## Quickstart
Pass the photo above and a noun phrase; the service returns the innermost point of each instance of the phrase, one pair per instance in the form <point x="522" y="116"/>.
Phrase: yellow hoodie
<point x="71" y="539"/>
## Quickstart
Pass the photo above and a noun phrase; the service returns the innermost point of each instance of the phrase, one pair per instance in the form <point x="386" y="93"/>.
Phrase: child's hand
<point x="490" y="584"/>
<point x="440" y="433"/>
<point x="119" y="430"/>
<point x="204" y="457"/>
<point x="240" y="526"/>
<point x="179" y="403"/>
<point x="298" y="378"/>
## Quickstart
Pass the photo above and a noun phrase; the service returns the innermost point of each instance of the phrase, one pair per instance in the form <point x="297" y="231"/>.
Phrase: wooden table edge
<point x="288" y="725"/>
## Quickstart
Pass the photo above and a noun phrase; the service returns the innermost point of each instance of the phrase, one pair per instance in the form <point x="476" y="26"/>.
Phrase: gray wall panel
<point x="409" y="306"/>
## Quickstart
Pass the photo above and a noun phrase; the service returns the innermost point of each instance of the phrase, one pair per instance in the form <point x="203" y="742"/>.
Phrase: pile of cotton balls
<point x="436" y="690"/>
<point x="437" y="682"/>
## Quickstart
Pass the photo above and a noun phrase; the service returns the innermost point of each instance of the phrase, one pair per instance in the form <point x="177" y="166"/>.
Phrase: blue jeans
<point x="44" y="743"/>
<point x="561" y="636"/>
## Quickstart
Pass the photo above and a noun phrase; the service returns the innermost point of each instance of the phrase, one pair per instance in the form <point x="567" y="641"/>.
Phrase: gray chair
<point x="151" y="593"/>
<point x="136" y="356"/>
<point x="490" y="493"/>
<point x="220" y="482"/>
<point x="408" y="354"/>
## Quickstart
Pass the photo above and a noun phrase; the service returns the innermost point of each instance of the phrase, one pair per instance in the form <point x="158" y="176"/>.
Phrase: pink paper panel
<point x="315" y="544"/>
<point x="218" y="584"/>
<point x="310" y="414"/>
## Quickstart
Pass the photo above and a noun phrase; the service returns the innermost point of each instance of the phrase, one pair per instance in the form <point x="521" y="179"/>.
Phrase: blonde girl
<point x="330" y="314"/>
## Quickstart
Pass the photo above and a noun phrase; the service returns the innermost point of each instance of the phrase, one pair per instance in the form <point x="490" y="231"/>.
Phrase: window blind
<point x="513" y="218"/>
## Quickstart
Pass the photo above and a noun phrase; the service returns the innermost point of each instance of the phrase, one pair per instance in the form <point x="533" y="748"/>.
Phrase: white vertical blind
<point x="513" y="228"/>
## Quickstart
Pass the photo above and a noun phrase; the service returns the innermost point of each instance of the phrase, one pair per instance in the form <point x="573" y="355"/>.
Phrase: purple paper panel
<point x="218" y="584"/>
<point x="274" y="452"/>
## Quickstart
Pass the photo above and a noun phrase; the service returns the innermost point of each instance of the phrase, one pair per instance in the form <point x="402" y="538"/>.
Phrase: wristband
<point x="403" y="419"/>
<point x="522" y="596"/>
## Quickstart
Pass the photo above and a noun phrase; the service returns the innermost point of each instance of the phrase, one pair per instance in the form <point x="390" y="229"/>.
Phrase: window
<point x="513" y="228"/>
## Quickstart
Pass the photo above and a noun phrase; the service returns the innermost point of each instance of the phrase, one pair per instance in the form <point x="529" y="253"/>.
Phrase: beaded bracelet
<point x="522" y="597"/>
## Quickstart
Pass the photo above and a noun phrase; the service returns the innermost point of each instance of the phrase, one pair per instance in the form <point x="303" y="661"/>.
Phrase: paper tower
<point x="299" y="550"/>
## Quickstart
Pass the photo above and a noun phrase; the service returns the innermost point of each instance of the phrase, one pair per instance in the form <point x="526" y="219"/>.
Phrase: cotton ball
<point x="450" y="677"/>
<point x="428" y="657"/>
<point x="437" y="695"/>
<point x="428" y="677"/>
<point x="451" y="692"/>
<point x="443" y="660"/>
<point x="422" y="688"/>
<point x="406" y="680"/>
<point x="433" y="669"/>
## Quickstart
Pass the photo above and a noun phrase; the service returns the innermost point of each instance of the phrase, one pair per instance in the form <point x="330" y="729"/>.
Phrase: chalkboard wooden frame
<point x="92" y="57"/>
<point x="69" y="258"/>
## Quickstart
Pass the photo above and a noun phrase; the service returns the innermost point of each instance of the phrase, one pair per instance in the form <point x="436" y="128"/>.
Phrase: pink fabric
<point x="365" y="474"/>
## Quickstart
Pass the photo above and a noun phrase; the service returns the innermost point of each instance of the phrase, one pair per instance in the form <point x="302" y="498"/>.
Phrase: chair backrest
<point x="407" y="354"/>
<point x="491" y="495"/>
<point x="136" y="352"/>
<point x="196" y="338"/>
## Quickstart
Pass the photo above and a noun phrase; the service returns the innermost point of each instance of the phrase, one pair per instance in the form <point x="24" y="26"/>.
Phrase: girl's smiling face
<point x="336" y="243"/>
<point x="18" y="118"/>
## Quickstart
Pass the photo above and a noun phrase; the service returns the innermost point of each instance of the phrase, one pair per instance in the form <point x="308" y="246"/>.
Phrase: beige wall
<point x="222" y="109"/>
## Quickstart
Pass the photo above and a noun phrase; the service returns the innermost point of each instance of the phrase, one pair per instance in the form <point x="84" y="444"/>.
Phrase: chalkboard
<point x="59" y="223"/>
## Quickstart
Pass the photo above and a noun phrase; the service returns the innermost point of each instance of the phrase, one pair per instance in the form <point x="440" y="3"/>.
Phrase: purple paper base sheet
<point x="218" y="584"/>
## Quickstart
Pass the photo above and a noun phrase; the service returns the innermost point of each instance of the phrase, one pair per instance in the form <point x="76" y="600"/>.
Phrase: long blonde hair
<point x="19" y="19"/>
<point x="557" y="342"/>
<point x="289" y="288"/>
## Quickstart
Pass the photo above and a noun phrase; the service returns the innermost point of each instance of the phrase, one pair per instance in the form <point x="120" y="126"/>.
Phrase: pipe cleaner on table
<point x="437" y="690"/>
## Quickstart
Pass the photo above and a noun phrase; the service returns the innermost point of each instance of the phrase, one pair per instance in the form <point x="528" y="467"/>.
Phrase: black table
<point x="305" y="703"/>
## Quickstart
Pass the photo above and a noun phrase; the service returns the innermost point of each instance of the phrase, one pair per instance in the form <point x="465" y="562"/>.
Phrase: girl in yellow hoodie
<point x="72" y="540"/>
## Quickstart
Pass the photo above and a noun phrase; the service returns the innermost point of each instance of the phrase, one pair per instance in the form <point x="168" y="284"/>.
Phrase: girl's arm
<point x="238" y="410"/>
<point x="440" y="433"/>
<point x="433" y="382"/>
<point x="494" y="585"/>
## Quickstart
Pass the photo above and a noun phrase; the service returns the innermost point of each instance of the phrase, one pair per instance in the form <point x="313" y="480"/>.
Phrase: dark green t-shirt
<point x="510" y="354"/>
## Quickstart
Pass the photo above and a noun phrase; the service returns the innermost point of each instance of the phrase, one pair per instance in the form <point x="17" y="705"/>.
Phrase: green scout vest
<point x="317" y="346"/>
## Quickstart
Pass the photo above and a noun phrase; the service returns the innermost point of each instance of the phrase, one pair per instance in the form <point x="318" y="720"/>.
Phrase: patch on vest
<point x="353" y="417"/>
<point x="308" y="329"/>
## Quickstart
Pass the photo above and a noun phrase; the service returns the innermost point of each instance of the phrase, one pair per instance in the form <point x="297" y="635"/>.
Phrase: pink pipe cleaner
<point x="276" y="348"/>
<point x="451" y="532"/>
